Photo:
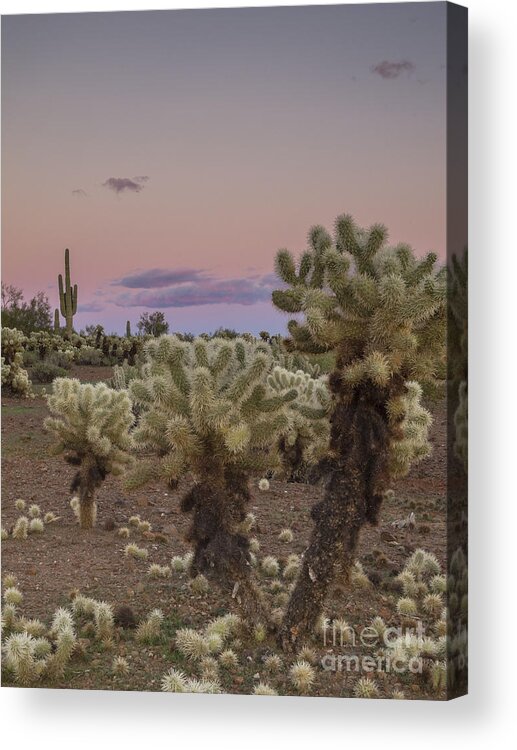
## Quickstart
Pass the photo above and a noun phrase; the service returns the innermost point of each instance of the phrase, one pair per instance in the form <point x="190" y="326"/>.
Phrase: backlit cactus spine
<point x="67" y="296"/>
<point x="382" y="314"/>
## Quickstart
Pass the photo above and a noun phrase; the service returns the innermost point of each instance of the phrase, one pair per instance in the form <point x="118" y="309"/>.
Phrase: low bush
<point x="46" y="372"/>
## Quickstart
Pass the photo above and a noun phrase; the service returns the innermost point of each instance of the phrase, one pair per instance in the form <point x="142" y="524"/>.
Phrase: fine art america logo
<point x="385" y="656"/>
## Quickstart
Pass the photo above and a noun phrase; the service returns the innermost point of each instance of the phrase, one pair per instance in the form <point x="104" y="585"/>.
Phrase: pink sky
<point x="250" y="125"/>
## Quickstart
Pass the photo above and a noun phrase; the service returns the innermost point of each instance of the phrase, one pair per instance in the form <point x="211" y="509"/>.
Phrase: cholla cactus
<point x="15" y="378"/>
<point x="36" y="526"/>
<point x="229" y="659"/>
<point x="302" y="675"/>
<point x="273" y="663"/>
<point x="306" y="440"/>
<point x="133" y="550"/>
<point x="21" y="528"/>
<point x="270" y="566"/>
<point x="149" y="630"/>
<point x="104" y="622"/>
<point x="382" y="314"/>
<point x="262" y="688"/>
<point x="20" y="658"/>
<point x="293" y="361"/>
<point x="365" y="687"/>
<point x="192" y="644"/>
<point x="205" y="410"/>
<point x="91" y="425"/>
<point x="120" y="666"/>
<point x="174" y="681"/>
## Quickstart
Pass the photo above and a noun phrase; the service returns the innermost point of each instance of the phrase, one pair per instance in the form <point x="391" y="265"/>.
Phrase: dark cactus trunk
<point x="85" y="483"/>
<point x="221" y="551"/>
<point x="356" y="475"/>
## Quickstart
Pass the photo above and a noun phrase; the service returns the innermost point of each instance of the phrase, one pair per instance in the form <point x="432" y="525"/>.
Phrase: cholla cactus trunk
<point x="355" y="479"/>
<point x="293" y="456"/>
<point x="382" y="313"/>
<point x="85" y="483"/>
<point x="221" y="551"/>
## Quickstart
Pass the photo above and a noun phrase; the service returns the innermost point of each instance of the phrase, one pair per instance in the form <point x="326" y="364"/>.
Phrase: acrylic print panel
<point x="230" y="467"/>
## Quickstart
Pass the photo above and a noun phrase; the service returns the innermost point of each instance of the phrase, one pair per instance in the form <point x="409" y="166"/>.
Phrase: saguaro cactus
<point x="91" y="425"/>
<point x="56" y="321"/>
<point x="128" y="329"/>
<point x="383" y="315"/>
<point x="205" y="411"/>
<point x="67" y="296"/>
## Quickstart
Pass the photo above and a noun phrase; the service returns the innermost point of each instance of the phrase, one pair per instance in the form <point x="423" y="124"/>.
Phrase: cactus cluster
<point x="15" y="378"/>
<point x="91" y="426"/>
<point x="32" y="651"/>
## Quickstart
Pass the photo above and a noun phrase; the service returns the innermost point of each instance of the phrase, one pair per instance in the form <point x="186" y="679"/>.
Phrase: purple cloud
<point x="79" y="193"/>
<point x="156" y="278"/>
<point x="205" y="291"/>
<point x="125" y="184"/>
<point x="389" y="69"/>
<point x="90" y="307"/>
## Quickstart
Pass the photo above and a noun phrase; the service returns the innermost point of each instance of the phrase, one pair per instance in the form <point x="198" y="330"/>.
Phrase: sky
<point x="174" y="152"/>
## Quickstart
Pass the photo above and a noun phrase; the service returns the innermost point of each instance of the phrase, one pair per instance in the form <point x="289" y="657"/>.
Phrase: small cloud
<point x="389" y="69"/>
<point x="79" y="193"/>
<point x="125" y="184"/>
<point x="156" y="278"/>
<point x="90" y="307"/>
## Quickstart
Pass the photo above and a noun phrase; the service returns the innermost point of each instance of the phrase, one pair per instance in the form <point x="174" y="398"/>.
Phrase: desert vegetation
<point x="241" y="509"/>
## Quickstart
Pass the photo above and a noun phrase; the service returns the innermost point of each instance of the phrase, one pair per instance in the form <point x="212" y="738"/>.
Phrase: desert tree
<point x="91" y="424"/>
<point x="382" y="314"/>
<point x="152" y="324"/>
<point x="206" y="413"/>
<point x="24" y="316"/>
